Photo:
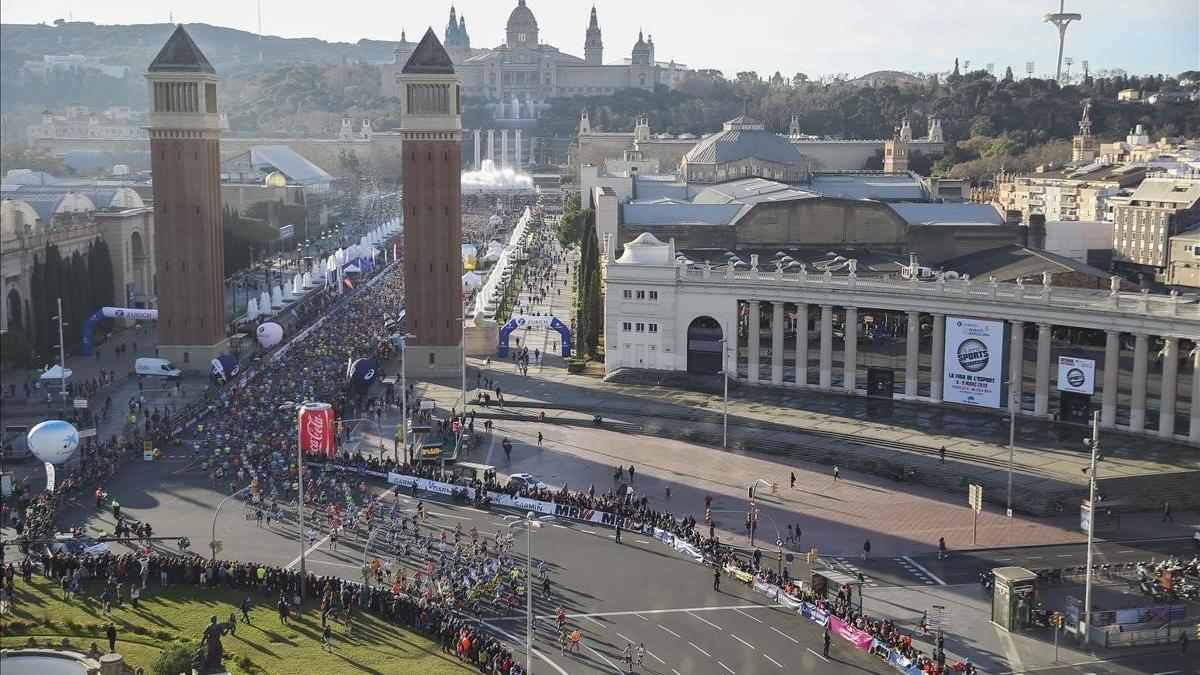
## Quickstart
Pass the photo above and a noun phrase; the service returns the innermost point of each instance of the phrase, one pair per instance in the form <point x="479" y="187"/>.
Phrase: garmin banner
<point x="1076" y="375"/>
<point x="973" y="361"/>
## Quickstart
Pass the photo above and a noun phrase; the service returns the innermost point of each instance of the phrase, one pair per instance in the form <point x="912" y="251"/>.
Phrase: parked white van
<point x="156" y="367"/>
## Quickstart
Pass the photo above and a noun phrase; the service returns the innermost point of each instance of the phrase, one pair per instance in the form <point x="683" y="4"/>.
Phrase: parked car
<point x="526" y="480"/>
<point x="65" y="542"/>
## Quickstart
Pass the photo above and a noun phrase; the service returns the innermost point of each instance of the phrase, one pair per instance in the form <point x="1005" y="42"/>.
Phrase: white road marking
<point x="726" y="668"/>
<point x="817" y="655"/>
<point x="450" y="515"/>
<point x="640" y="616"/>
<point x="588" y="531"/>
<point x="675" y="671"/>
<point x="705" y="621"/>
<point x="1064" y="555"/>
<point x="748" y="616"/>
<point x="642" y="541"/>
<point x="561" y="527"/>
<point x="625" y="638"/>
<point x="670" y="631"/>
<point x="700" y="650"/>
<point x="593" y="621"/>
<point x="929" y="574"/>
<point x="652" y="655"/>
<point x="785" y="635"/>
<point x="1169" y="672"/>
<point x="680" y="610"/>
<point x="605" y="659"/>
<point x="515" y="640"/>
<point x="772" y="660"/>
<point x="742" y="641"/>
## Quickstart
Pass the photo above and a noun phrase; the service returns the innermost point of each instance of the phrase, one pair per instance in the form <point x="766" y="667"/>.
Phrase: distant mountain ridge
<point x="134" y="45"/>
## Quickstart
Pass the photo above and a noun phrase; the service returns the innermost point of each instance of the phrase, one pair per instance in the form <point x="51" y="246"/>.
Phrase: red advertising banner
<point x="316" y="430"/>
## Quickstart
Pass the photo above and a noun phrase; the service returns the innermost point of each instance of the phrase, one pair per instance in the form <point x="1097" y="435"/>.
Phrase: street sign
<point x="87" y="433"/>
<point x="939" y="616"/>
<point x="789" y="557"/>
<point x="975" y="497"/>
<point x="81" y="403"/>
<point x="287" y="231"/>
<point x="428" y="404"/>
<point x="147" y="444"/>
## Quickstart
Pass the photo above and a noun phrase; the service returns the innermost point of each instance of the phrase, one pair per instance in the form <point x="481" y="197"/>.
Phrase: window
<point x="626" y="326"/>
<point x="641" y="295"/>
<point x="653" y="328"/>
<point x="431" y="359"/>
<point x="641" y="327"/>
<point x="653" y="295"/>
<point x="627" y="294"/>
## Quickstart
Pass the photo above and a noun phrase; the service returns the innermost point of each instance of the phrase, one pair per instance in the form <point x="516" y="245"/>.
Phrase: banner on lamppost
<point x="316" y="430"/>
<point x="973" y="361"/>
<point x="1076" y="375"/>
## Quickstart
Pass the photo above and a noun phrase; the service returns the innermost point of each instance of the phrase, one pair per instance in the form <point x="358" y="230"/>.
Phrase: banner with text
<point x="861" y="639"/>
<point x="1076" y="375"/>
<point x="973" y="361"/>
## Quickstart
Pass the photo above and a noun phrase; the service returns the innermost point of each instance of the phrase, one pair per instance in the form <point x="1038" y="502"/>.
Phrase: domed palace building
<point x="526" y="69"/>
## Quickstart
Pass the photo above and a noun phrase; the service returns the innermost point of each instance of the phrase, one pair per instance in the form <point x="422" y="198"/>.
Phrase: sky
<point x="814" y="37"/>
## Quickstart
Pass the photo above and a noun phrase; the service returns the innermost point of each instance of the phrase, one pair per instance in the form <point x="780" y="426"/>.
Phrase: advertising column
<point x="973" y="361"/>
<point x="316" y="430"/>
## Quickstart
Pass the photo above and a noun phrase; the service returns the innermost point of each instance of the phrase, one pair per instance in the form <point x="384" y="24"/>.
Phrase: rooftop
<point x="429" y="58"/>
<point x="744" y="138"/>
<point x="180" y="54"/>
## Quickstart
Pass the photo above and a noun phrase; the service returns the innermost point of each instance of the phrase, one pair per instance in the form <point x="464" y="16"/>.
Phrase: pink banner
<point x="850" y="633"/>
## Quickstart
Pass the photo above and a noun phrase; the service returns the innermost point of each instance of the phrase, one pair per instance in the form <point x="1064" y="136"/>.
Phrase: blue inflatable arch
<point x="113" y="313"/>
<point x="522" y="321"/>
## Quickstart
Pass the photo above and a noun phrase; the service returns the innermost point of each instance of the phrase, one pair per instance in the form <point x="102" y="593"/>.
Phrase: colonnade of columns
<point x="482" y="151"/>
<point x="1109" y="387"/>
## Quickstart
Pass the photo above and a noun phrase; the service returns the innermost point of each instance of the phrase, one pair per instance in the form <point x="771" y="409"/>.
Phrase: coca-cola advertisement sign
<point x="316" y="430"/>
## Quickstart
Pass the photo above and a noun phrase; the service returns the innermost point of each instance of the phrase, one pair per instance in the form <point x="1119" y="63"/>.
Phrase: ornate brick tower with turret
<point x="431" y="137"/>
<point x="185" y="158"/>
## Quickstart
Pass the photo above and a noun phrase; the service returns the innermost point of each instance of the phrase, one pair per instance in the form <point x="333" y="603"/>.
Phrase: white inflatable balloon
<point x="269" y="334"/>
<point x="53" y="441"/>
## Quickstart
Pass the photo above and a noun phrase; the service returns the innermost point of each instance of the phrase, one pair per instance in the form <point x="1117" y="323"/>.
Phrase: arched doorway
<point x="704" y="346"/>
<point x="12" y="311"/>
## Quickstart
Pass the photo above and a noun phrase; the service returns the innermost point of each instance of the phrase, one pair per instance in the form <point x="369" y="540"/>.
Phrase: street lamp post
<point x="1094" y="443"/>
<point x="62" y="360"/>
<point x="288" y="405"/>
<point x="1013" y="407"/>
<point x="530" y="525"/>
<point x="212" y="543"/>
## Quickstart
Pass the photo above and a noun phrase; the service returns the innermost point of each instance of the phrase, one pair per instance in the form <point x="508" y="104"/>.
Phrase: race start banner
<point x="973" y="361"/>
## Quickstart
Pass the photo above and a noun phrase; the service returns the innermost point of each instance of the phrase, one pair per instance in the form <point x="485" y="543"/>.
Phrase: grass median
<point x="177" y="615"/>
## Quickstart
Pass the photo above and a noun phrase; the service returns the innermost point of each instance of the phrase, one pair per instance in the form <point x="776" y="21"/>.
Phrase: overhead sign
<point x="287" y="231"/>
<point x="973" y="361"/>
<point x="1076" y="375"/>
<point x="975" y="497"/>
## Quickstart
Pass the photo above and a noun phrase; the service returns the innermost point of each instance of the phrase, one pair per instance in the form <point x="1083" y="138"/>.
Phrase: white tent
<point x="471" y="280"/>
<point x="56" y="373"/>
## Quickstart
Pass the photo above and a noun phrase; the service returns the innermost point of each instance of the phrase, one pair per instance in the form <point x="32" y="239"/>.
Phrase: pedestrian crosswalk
<point x="848" y="565"/>
<point x="912" y="569"/>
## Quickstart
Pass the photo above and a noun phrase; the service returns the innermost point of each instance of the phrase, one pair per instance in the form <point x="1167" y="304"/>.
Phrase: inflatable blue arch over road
<point x="113" y="313"/>
<point x="525" y="321"/>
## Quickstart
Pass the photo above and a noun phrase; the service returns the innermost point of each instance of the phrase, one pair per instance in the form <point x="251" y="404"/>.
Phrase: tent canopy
<point x="56" y="373"/>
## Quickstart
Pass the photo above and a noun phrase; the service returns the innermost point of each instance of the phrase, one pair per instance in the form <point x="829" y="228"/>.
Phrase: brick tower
<point x="431" y="136"/>
<point x="184" y="161"/>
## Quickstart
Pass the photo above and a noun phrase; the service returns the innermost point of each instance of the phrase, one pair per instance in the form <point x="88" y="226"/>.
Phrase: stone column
<point x="1166" y="394"/>
<point x="755" y="341"/>
<point x="477" y="149"/>
<point x="912" y="352"/>
<point x="801" y="374"/>
<point x="1194" y="428"/>
<point x="825" y="380"/>
<point x="1041" y="395"/>
<point x="731" y="345"/>
<point x="1016" y="364"/>
<point x="1137" y="405"/>
<point x="1112" y="368"/>
<point x="491" y="146"/>
<point x="937" y="356"/>
<point x="777" y="343"/>
<point x="850" y="362"/>
<point x="517" y="154"/>
<point x="504" y="148"/>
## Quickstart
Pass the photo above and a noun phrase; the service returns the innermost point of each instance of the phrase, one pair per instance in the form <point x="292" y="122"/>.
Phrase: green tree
<point x="174" y="660"/>
<point x="1008" y="74"/>
<point x="570" y="226"/>
<point x="37" y="306"/>
<point x="100" y="271"/>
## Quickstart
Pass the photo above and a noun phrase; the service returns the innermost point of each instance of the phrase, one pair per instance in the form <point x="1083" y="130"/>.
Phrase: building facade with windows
<point x="526" y="69"/>
<point x="1145" y="222"/>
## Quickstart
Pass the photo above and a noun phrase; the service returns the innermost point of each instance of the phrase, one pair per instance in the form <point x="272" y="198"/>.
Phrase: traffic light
<point x="341" y="428"/>
<point x="774" y="488"/>
<point x="1056" y="620"/>
<point x="1198" y="631"/>
<point x="812" y="556"/>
